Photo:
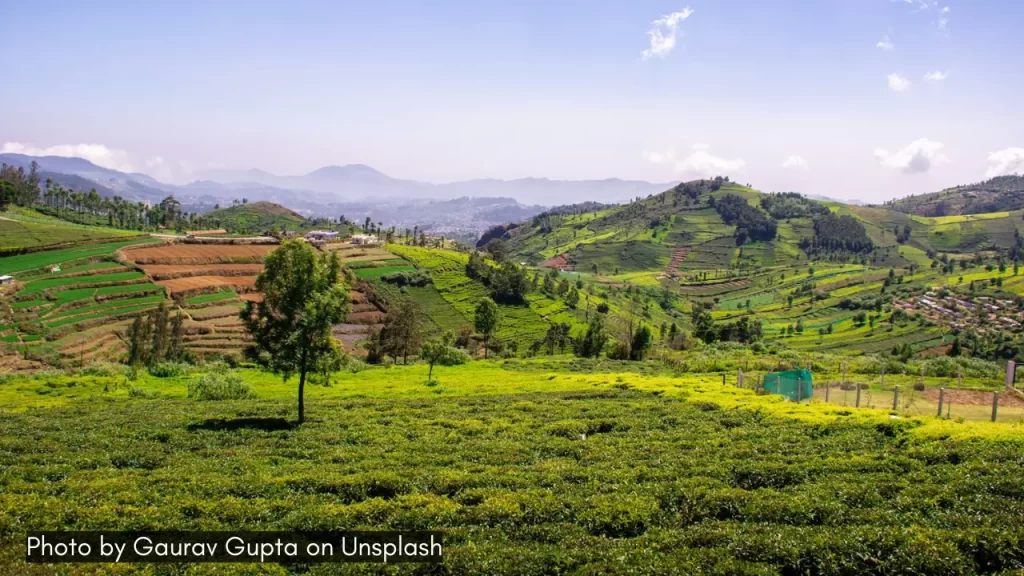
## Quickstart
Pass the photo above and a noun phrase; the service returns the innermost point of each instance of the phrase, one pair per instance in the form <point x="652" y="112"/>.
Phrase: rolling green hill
<point x="254" y="218"/>
<point x="827" y="278"/>
<point x="998" y="194"/>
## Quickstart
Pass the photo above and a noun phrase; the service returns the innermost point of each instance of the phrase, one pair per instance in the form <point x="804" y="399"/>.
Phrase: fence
<point x="905" y="395"/>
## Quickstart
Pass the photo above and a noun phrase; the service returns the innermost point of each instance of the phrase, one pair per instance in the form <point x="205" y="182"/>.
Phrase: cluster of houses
<point x="958" y="313"/>
<point x="320" y="237"/>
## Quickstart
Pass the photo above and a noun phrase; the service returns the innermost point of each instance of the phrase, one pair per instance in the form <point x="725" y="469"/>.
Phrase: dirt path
<point x="679" y="254"/>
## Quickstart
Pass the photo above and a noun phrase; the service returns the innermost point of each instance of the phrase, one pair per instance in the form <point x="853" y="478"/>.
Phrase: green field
<point x="378" y="271"/>
<point x="19" y="234"/>
<point x="524" y="467"/>
<point x="214" y="297"/>
<point x="23" y="262"/>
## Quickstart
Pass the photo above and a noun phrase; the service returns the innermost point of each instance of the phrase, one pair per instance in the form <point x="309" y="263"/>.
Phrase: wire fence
<point x="910" y="397"/>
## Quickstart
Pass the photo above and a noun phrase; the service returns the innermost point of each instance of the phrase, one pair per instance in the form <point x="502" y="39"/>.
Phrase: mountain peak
<point x="347" y="171"/>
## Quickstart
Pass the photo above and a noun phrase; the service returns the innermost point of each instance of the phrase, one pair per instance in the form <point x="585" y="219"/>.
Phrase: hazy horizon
<point x="851" y="99"/>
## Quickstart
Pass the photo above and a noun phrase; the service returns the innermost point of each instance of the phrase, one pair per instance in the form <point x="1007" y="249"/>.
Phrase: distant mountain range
<point x="457" y="209"/>
<point x="354" y="182"/>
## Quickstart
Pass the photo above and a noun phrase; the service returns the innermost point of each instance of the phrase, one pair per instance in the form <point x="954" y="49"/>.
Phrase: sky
<point x="853" y="99"/>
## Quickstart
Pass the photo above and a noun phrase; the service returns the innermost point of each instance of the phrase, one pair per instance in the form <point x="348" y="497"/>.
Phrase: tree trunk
<point x="302" y="389"/>
<point x="430" y="373"/>
<point x="486" y="339"/>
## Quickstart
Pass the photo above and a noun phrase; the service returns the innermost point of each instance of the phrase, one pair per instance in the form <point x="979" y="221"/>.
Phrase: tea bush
<point x="587" y="481"/>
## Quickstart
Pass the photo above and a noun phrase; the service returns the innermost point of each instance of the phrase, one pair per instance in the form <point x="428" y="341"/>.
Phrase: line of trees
<point x="156" y="337"/>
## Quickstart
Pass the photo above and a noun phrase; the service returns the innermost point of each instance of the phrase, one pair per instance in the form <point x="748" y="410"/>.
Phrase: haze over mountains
<point x="356" y="191"/>
<point x="353" y="182"/>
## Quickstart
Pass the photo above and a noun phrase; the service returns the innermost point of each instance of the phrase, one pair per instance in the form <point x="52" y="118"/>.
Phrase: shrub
<point x="136" y="392"/>
<point x="104" y="369"/>
<point x="417" y="278"/>
<point x="220" y="387"/>
<point x="170" y="369"/>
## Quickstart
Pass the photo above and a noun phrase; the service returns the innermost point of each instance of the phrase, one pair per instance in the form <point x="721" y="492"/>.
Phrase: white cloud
<point x="663" y="33"/>
<point x="916" y="158"/>
<point x="885" y="44"/>
<point x="701" y="162"/>
<point x="898" y="83"/>
<point x="936" y="76"/>
<point x="795" y="161"/>
<point x="1005" y="162"/>
<point x="98" y="154"/>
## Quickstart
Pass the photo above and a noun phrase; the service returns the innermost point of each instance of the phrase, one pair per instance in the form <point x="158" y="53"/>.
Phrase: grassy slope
<point x="256" y="216"/>
<point x="25" y="234"/>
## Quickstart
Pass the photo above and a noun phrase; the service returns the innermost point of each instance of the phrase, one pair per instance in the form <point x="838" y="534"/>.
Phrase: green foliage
<point x="220" y="386"/>
<point x="382" y="271"/>
<point x="411" y="278"/>
<point x="438" y="352"/>
<point x="253" y="218"/>
<point x="641" y="343"/>
<point x="592" y="344"/>
<point x="486" y="320"/>
<point x="303" y="298"/>
<point x="834" y="233"/>
<point x="401" y="334"/>
<point x="786" y="205"/>
<point x="751" y="223"/>
<point x="509" y="284"/>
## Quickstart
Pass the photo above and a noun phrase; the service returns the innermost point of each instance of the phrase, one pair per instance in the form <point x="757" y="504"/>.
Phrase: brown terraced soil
<point x="169" y="271"/>
<point x="198" y="253"/>
<point x="243" y="283"/>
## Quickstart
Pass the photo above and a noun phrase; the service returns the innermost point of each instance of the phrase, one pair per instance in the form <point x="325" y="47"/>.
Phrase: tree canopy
<point x="303" y="298"/>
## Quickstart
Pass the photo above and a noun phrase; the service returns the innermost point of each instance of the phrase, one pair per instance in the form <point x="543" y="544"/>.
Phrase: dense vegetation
<point x="998" y="194"/>
<point x="751" y="223"/>
<point x="836" y="234"/>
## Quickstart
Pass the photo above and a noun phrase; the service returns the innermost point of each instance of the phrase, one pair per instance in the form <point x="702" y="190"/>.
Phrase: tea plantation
<point x="528" y="467"/>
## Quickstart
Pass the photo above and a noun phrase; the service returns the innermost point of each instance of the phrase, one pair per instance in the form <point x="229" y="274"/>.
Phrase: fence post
<point x="995" y="405"/>
<point x="942" y="395"/>
<point x="1011" y="368"/>
<point x="958" y="375"/>
<point x="799" y="388"/>
<point x="739" y="378"/>
<point x="828" y="386"/>
<point x="723" y="378"/>
<point x="895" y="398"/>
<point x="857" y="405"/>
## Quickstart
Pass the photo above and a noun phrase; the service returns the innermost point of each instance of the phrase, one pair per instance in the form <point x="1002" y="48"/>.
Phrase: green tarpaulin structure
<point x="793" y="384"/>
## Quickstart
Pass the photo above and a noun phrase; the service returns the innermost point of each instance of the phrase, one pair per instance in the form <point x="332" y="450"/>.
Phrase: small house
<point x="321" y="235"/>
<point x="364" y="239"/>
<point x="6" y="279"/>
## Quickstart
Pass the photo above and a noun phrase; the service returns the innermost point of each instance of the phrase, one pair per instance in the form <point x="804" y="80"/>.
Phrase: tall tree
<point x="304" y="297"/>
<point x="486" y="320"/>
<point x="401" y="333"/>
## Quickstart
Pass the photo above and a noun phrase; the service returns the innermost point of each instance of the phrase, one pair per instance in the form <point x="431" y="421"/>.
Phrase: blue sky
<point x="865" y="99"/>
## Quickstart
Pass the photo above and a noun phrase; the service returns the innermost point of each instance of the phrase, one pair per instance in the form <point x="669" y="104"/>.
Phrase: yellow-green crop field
<point x="528" y="467"/>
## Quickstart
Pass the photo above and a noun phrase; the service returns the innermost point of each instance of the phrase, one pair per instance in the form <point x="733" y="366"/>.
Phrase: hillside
<point x="817" y="275"/>
<point x="996" y="195"/>
<point x="255" y="218"/>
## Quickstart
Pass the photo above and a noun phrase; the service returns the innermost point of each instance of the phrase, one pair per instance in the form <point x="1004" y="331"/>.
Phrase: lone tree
<point x="303" y="297"/>
<point x="440" y="352"/>
<point x="486" y="320"/>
